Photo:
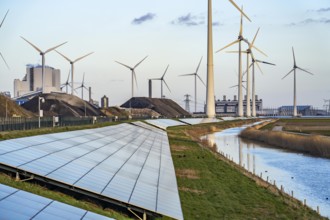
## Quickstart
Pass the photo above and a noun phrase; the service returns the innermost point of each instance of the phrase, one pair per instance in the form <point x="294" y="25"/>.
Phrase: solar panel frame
<point x="19" y="204"/>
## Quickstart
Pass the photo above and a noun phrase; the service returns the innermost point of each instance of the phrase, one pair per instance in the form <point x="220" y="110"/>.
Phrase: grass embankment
<point x="211" y="187"/>
<point x="316" y="145"/>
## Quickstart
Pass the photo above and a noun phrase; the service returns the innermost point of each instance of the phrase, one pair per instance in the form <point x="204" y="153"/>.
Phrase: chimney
<point x="150" y="88"/>
<point x="235" y="98"/>
<point x="224" y="98"/>
<point x="90" y="94"/>
<point x="244" y="97"/>
<point x="257" y="97"/>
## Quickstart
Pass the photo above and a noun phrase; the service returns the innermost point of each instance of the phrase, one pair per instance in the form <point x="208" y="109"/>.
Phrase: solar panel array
<point x="164" y="123"/>
<point x="19" y="204"/>
<point x="125" y="162"/>
<point x="195" y="121"/>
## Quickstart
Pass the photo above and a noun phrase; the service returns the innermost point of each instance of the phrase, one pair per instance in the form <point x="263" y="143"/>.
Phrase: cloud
<point x="144" y="18"/>
<point x="312" y="21"/>
<point x="323" y="10"/>
<point x="189" y="20"/>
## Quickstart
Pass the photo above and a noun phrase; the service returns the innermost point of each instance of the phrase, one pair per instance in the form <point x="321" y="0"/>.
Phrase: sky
<point x="170" y="33"/>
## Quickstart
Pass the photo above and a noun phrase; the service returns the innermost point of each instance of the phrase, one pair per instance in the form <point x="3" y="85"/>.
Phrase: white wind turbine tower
<point x="294" y="82"/>
<point x="82" y="86"/>
<point x="133" y="72"/>
<point x="161" y="82"/>
<point x="66" y="84"/>
<point x="0" y="52"/>
<point x="254" y="113"/>
<point x="43" y="59"/>
<point x="240" y="77"/>
<point x="196" y="75"/>
<point x="72" y="62"/>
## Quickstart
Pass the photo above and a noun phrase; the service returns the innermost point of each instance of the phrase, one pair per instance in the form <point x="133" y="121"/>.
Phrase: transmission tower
<point x="327" y="105"/>
<point x="187" y="101"/>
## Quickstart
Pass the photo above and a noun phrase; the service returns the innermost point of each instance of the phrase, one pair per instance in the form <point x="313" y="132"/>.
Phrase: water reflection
<point x="308" y="177"/>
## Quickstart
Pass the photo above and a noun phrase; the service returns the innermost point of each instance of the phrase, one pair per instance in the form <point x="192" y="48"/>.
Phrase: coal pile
<point x="9" y="107"/>
<point x="61" y="104"/>
<point x="165" y="107"/>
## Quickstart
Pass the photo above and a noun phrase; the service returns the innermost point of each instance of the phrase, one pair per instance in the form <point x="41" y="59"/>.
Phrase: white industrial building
<point x="32" y="81"/>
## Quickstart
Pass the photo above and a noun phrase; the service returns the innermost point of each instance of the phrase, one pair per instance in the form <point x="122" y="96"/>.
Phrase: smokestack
<point x="224" y="98"/>
<point x="150" y="88"/>
<point x="257" y="97"/>
<point x="245" y="97"/>
<point x="235" y="98"/>
<point x="90" y="94"/>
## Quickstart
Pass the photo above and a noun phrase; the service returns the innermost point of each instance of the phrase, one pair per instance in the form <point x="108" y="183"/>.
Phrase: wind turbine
<point x="161" y="82"/>
<point x="0" y="52"/>
<point x="239" y="41"/>
<point x="66" y="84"/>
<point x="43" y="59"/>
<point x="294" y="82"/>
<point x="248" y="52"/>
<point x="82" y="86"/>
<point x="72" y="62"/>
<point x="196" y="75"/>
<point x="133" y="72"/>
<point x="254" y="113"/>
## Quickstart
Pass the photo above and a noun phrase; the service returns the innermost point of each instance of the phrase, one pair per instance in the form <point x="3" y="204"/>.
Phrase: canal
<point x="305" y="176"/>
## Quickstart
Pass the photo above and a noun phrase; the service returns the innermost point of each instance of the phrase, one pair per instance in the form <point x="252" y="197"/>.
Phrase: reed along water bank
<point x="315" y="145"/>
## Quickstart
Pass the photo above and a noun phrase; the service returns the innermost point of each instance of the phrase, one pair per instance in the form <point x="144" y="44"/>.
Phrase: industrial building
<point x="32" y="81"/>
<point x="227" y="107"/>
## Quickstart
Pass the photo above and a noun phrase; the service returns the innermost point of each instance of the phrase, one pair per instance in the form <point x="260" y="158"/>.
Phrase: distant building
<point x="6" y="93"/>
<point x="104" y="102"/>
<point x="32" y="81"/>
<point x="227" y="107"/>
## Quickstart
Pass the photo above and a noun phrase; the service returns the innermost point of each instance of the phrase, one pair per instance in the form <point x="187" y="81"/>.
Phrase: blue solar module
<point x="18" y="204"/>
<point x="195" y="121"/>
<point x="127" y="163"/>
<point x="164" y="123"/>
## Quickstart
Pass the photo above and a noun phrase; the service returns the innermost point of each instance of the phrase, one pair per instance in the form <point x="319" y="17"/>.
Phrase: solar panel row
<point x="194" y="121"/>
<point x="19" y="204"/>
<point x="164" y="123"/>
<point x="125" y="162"/>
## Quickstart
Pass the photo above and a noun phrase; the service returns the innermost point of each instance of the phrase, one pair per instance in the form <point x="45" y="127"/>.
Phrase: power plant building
<point x="227" y="107"/>
<point x="32" y="81"/>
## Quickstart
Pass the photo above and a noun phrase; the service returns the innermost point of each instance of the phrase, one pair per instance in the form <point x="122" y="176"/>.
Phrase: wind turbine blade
<point x="264" y="62"/>
<point x="165" y="71"/>
<point x="63" y="56"/>
<point x="235" y="52"/>
<point x="189" y="74"/>
<point x="4" y="19"/>
<point x="82" y="57"/>
<point x="288" y="73"/>
<point x="34" y="46"/>
<point x="67" y="80"/>
<point x="53" y="48"/>
<point x="246" y="70"/>
<point x="124" y="65"/>
<point x="232" y="2"/>
<point x="255" y="36"/>
<point x="256" y="62"/>
<point x="167" y="85"/>
<point x="241" y="24"/>
<point x="232" y="43"/>
<point x="305" y="70"/>
<point x="199" y="65"/>
<point x="294" y="57"/>
<point x="260" y="50"/>
<point x="140" y="62"/>
<point x="156" y="79"/>
<point x="4" y="60"/>
<point x="200" y="79"/>
<point x="233" y="86"/>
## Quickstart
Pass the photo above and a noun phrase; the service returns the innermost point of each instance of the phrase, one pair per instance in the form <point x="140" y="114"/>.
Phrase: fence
<point x="10" y="124"/>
